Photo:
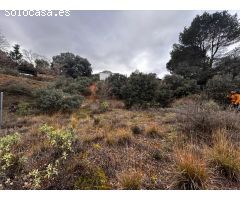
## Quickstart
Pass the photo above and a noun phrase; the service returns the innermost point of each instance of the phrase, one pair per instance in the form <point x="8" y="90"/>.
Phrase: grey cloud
<point x="120" y="41"/>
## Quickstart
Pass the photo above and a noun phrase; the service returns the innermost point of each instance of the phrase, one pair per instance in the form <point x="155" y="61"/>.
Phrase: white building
<point x="104" y="75"/>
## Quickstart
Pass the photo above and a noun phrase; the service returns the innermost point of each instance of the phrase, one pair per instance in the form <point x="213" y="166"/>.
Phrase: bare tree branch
<point x="3" y="43"/>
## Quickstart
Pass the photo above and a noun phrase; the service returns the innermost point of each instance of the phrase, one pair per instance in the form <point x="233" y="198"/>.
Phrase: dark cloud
<point x="120" y="41"/>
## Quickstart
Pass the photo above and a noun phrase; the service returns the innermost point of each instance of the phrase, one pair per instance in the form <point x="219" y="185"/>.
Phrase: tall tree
<point x="190" y="62"/>
<point x="42" y="65"/>
<point x="200" y="43"/>
<point x="229" y="64"/>
<point x="72" y="65"/>
<point x="16" y="55"/>
<point x="212" y="32"/>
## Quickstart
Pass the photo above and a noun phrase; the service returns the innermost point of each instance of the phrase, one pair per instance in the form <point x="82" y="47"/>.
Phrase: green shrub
<point x="157" y="155"/>
<point x="15" y="88"/>
<point x="52" y="100"/>
<point x="104" y="106"/>
<point x="23" y="108"/>
<point x="49" y="100"/>
<point x="12" y="72"/>
<point x="140" y="90"/>
<point x="60" y="139"/>
<point x="79" y="85"/>
<point x="115" y="85"/>
<point x="8" y="141"/>
<point x="27" y="68"/>
<point x="220" y="86"/>
<point x="7" y="157"/>
<point x="92" y="179"/>
<point x="173" y="87"/>
<point x="71" y="103"/>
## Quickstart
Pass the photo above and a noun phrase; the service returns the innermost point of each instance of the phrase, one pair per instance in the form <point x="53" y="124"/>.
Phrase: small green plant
<point x="52" y="170"/>
<point x="7" y="158"/>
<point x="157" y="155"/>
<point x="104" y="106"/>
<point x="35" y="176"/>
<point x="92" y="179"/>
<point x="8" y="141"/>
<point x="23" y="109"/>
<point x="60" y="139"/>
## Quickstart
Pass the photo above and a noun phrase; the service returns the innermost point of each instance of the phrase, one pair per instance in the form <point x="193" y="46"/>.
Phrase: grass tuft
<point x="131" y="180"/>
<point x="225" y="156"/>
<point x="191" y="170"/>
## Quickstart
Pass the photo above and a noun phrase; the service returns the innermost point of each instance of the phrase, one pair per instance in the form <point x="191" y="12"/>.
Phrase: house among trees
<point x="104" y="75"/>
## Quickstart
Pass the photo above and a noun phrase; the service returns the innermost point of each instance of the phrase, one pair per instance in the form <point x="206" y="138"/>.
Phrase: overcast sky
<point x="119" y="41"/>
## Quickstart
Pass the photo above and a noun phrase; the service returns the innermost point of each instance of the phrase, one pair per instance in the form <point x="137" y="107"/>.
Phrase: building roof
<point x="106" y="72"/>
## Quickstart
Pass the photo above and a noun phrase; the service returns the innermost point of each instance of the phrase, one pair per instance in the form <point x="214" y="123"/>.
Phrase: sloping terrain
<point x="102" y="145"/>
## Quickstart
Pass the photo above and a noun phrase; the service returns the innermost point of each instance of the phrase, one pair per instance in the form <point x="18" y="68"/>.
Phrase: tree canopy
<point x="72" y="65"/>
<point x="200" y="43"/>
<point x="16" y="54"/>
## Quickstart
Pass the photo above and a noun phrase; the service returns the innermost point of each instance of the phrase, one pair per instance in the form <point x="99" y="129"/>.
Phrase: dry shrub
<point x="131" y="179"/>
<point x="74" y="122"/>
<point x="117" y="121"/>
<point x="224" y="156"/>
<point x="190" y="170"/>
<point x="120" y="137"/>
<point x="200" y="121"/>
<point x="153" y="131"/>
<point x="186" y="100"/>
<point x="98" y="136"/>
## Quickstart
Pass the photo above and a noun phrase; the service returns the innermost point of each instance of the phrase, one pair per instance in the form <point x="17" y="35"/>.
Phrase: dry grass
<point x="200" y="121"/>
<point x="110" y="154"/>
<point x="153" y="131"/>
<point x="224" y="156"/>
<point x="190" y="170"/>
<point x="131" y="180"/>
<point x="120" y="137"/>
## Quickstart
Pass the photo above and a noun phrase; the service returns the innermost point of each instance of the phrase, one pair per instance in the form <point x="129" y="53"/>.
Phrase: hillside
<point x="115" y="148"/>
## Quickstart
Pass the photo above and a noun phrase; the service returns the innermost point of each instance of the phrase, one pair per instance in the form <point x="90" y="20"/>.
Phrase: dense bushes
<point x="52" y="100"/>
<point x="14" y="88"/>
<point x="219" y="87"/>
<point x="74" y="86"/>
<point x="27" y="68"/>
<point x="140" y="90"/>
<point x="115" y="84"/>
<point x="175" y="86"/>
<point x="180" y="86"/>
<point x="72" y="65"/>
<point x="144" y="90"/>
